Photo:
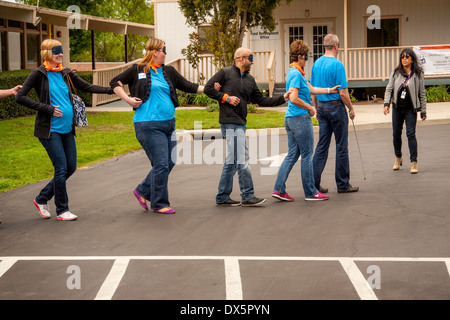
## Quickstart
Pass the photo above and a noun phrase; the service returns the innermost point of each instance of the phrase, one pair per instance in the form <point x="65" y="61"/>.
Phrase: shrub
<point x="202" y="99"/>
<point x="251" y="108"/>
<point x="9" y="79"/>
<point x="437" y="93"/>
<point x="213" y="107"/>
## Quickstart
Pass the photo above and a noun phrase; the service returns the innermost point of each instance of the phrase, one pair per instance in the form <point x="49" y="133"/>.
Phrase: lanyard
<point x="406" y="80"/>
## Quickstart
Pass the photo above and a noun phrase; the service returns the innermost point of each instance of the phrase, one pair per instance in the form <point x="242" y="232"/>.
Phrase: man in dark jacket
<point x="238" y="88"/>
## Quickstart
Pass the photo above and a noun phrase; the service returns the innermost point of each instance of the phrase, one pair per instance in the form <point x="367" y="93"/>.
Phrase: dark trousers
<point x="409" y="117"/>
<point x="333" y="119"/>
<point x="62" y="150"/>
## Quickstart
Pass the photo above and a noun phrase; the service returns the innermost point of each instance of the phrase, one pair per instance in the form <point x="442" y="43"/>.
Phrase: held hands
<point x="234" y="101"/>
<point x="134" y="102"/>
<point x="334" y="89"/>
<point x="16" y="89"/>
<point x="286" y="95"/>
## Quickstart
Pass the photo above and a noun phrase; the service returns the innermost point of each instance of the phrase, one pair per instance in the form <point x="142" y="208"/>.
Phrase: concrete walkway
<point x="369" y="115"/>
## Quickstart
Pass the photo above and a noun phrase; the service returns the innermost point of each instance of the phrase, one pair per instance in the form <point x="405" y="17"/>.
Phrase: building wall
<point x="421" y="22"/>
<point x="171" y="27"/>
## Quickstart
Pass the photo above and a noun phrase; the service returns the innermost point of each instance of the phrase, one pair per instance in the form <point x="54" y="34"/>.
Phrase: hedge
<point x="9" y="79"/>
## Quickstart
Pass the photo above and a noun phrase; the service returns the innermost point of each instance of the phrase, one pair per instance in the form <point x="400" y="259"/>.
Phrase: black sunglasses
<point x="405" y="56"/>
<point x="162" y="50"/>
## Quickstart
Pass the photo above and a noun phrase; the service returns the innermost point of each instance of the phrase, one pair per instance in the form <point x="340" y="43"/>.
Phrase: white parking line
<point x="360" y="283"/>
<point x="6" y="264"/>
<point x="233" y="282"/>
<point x="233" y="279"/>
<point x="113" y="279"/>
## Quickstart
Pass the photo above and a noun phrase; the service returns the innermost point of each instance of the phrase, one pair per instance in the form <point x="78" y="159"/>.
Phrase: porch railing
<point x="372" y="63"/>
<point x="102" y="77"/>
<point x="263" y="69"/>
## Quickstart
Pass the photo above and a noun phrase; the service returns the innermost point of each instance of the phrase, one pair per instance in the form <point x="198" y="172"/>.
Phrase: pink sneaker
<point x="283" y="196"/>
<point x="319" y="196"/>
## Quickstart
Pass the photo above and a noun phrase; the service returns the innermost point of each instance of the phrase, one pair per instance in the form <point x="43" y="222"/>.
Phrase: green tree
<point x="228" y="20"/>
<point x="108" y="46"/>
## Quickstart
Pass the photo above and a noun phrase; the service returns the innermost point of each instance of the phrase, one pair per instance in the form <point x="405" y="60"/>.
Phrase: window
<point x="295" y="33"/>
<point x="32" y="50"/>
<point x="386" y="36"/>
<point x="3" y="51"/>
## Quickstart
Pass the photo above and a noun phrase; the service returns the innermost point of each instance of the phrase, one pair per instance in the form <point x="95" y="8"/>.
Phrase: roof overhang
<point x="29" y="14"/>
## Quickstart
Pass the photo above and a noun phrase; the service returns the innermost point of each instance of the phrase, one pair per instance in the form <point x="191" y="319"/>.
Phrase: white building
<point x="368" y="53"/>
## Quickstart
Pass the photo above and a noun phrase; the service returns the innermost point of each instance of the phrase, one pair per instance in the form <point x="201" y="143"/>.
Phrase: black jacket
<point x="244" y="87"/>
<point x="39" y="81"/>
<point x="140" y="86"/>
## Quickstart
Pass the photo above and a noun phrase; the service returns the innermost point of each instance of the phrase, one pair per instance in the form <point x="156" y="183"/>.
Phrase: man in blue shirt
<point x="327" y="72"/>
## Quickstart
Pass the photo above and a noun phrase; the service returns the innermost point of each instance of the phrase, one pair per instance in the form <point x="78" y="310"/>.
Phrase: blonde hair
<point x="298" y="48"/>
<point x="152" y="44"/>
<point x="46" y="46"/>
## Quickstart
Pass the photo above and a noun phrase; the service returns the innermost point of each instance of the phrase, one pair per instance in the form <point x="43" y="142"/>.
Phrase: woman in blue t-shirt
<point x="154" y="98"/>
<point x="55" y="122"/>
<point x="299" y="126"/>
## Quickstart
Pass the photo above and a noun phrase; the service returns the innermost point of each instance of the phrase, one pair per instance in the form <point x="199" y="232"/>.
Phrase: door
<point x="310" y="32"/>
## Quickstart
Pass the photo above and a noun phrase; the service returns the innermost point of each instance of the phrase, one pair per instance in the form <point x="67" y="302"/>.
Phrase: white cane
<point x="360" y="156"/>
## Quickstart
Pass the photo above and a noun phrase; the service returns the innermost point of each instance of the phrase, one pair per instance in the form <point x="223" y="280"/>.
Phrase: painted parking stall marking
<point x="233" y="277"/>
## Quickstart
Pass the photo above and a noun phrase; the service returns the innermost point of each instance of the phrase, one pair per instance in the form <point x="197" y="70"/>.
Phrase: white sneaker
<point x="67" y="216"/>
<point x="43" y="209"/>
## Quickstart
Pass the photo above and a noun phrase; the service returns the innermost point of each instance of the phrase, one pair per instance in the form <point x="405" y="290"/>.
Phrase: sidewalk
<point x="368" y="116"/>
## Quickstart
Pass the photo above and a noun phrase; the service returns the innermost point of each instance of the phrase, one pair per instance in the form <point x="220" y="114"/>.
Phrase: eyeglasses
<point x="305" y="57"/>
<point x="405" y="56"/>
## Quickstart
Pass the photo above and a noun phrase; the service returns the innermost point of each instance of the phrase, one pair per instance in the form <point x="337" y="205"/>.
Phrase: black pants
<point x="409" y="117"/>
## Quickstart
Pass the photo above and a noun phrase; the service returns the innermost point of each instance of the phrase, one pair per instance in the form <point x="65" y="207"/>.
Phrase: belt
<point x="331" y="101"/>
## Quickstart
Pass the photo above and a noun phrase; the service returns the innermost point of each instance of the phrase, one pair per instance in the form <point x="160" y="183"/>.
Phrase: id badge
<point x="142" y="75"/>
<point x="403" y="96"/>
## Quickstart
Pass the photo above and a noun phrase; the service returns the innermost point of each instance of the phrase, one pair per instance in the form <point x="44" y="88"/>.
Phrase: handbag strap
<point x="71" y="85"/>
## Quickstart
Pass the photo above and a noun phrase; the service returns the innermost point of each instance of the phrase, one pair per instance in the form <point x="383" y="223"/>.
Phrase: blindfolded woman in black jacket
<point x="55" y="122"/>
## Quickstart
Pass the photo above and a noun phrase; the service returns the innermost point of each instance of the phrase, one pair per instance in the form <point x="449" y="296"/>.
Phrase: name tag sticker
<point x="142" y="76"/>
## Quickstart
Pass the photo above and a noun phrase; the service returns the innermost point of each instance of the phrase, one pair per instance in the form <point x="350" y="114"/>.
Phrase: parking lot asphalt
<point x="393" y="233"/>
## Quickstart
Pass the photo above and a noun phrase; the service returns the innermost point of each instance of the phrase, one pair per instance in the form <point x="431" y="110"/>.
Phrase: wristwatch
<point x="228" y="99"/>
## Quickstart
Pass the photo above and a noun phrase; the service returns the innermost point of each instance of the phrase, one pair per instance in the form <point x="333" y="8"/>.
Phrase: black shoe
<point x="253" y="202"/>
<point x="229" y="203"/>
<point x="350" y="189"/>
<point x="322" y="190"/>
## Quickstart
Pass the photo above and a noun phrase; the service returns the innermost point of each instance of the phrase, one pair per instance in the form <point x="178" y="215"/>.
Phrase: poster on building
<point x="435" y="59"/>
<point x="262" y="34"/>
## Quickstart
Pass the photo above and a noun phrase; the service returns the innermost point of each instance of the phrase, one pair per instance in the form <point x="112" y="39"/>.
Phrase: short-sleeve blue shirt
<point x="59" y="96"/>
<point x="159" y="106"/>
<point x="296" y="80"/>
<point x="328" y="72"/>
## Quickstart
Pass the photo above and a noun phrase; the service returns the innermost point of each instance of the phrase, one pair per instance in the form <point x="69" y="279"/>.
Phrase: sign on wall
<point x="434" y="59"/>
<point x="261" y="34"/>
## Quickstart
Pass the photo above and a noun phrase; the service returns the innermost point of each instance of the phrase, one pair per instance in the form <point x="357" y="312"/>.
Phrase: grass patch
<point x="23" y="160"/>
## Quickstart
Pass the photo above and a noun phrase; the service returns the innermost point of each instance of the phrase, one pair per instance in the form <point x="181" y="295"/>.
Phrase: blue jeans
<point x="62" y="150"/>
<point x="409" y="117"/>
<point x="237" y="159"/>
<point x="158" y="140"/>
<point x="300" y="142"/>
<point x="333" y="118"/>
